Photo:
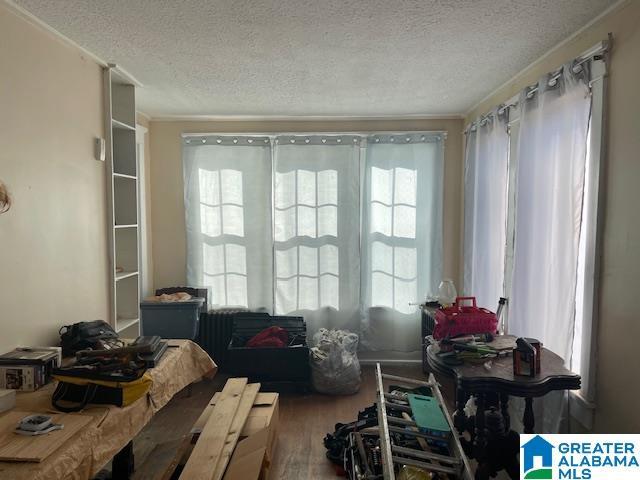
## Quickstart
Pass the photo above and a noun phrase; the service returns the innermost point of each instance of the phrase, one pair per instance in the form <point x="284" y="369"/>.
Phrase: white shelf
<point x="122" y="191"/>
<point x="122" y="175"/>
<point x="125" y="274"/>
<point x="124" y="323"/>
<point x="121" y="125"/>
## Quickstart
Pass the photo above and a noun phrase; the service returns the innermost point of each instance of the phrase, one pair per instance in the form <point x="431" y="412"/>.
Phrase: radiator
<point x="215" y="333"/>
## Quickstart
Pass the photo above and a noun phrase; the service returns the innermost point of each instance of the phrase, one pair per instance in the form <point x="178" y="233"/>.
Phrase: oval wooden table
<point x="493" y="444"/>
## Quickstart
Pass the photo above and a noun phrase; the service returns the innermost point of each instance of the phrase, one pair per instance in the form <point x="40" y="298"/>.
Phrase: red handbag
<point x="464" y="320"/>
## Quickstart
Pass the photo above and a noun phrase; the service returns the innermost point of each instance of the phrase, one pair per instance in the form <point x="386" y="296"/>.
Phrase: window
<point x="402" y="237"/>
<point x="306" y="205"/>
<point x="228" y="219"/>
<point x="331" y="227"/>
<point x="221" y="219"/>
<point x="550" y="254"/>
<point x="393" y="225"/>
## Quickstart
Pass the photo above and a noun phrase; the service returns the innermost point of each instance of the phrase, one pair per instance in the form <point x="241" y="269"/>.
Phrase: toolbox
<point x="460" y="319"/>
<point x="269" y="364"/>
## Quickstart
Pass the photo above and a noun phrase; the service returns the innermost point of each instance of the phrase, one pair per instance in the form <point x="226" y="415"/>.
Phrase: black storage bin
<point x="268" y="364"/>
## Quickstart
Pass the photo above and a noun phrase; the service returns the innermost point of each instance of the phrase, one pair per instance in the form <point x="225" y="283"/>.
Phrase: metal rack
<point x="456" y="465"/>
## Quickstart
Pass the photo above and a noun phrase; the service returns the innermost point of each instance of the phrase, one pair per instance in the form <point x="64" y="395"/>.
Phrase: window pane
<point x="213" y="259"/>
<point x="217" y="285"/>
<point x="329" y="291"/>
<point x="286" y="295"/>
<point x="231" y="186"/>
<point x="308" y="261"/>
<point x="382" y="257"/>
<point x="287" y="262"/>
<point x="307" y="222"/>
<point x="380" y="220"/>
<point x="381" y="185"/>
<point x="308" y="293"/>
<point x="405" y="261"/>
<point x="405" y="293"/>
<point x="285" y="191"/>
<point x="209" y="183"/>
<point x="328" y="187"/>
<point x="306" y="188"/>
<point x="232" y="220"/>
<point x="236" y="259"/>
<point x="405" y="186"/>
<point x="285" y="224"/>
<point x="237" y="290"/>
<point x="328" y="221"/>
<point x="329" y="259"/>
<point x="210" y="220"/>
<point x="404" y="222"/>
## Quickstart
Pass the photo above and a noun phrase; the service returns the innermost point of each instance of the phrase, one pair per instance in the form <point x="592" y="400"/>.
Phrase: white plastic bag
<point x="335" y="368"/>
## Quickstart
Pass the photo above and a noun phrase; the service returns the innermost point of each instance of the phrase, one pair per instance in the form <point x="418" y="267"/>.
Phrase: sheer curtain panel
<point x="316" y="229"/>
<point x="401" y="237"/>
<point x="227" y="195"/>
<point x="485" y="197"/>
<point x="552" y="149"/>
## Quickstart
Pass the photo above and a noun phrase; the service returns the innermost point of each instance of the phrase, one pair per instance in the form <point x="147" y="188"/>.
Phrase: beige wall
<point x="168" y="224"/>
<point x="53" y="241"/>
<point x="618" y="383"/>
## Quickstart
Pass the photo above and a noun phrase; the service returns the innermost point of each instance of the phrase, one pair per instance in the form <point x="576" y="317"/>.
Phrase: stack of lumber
<point x="234" y="438"/>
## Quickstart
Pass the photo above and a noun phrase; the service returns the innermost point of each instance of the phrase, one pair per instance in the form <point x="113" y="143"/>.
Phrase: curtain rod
<point x="302" y="134"/>
<point x="599" y="49"/>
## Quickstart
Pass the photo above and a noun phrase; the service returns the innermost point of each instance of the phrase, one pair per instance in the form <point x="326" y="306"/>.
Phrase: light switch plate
<point x="100" y="149"/>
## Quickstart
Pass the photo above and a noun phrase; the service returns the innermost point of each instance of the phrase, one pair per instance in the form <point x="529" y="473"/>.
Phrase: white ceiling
<point x="316" y="57"/>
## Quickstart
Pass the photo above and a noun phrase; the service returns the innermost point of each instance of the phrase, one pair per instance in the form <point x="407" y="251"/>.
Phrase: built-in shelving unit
<point x="122" y="188"/>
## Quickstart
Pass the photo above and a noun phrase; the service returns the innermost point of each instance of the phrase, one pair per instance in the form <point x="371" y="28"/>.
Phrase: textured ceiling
<point x="316" y="57"/>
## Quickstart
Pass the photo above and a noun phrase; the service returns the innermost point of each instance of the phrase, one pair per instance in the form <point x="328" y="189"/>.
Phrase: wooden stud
<point x="240" y="418"/>
<point x="206" y="454"/>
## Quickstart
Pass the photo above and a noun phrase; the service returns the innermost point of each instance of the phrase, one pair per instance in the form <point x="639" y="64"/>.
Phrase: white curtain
<point x="316" y="229"/>
<point x="284" y="223"/>
<point x="401" y="237"/>
<point x="227" y="195"/>
<point x="485" y="197"/>
<point x="552" y="148"/>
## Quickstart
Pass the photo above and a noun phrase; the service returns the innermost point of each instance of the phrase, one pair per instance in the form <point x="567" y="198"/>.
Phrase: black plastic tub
<point x="268" y="364"/>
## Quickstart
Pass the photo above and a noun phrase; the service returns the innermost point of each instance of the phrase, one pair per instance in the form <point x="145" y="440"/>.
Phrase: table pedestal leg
<point x="459" y="417"/>
<point x="528" y="419"/>
<point x="123" y="464"/>
<point x="504" y="409"/>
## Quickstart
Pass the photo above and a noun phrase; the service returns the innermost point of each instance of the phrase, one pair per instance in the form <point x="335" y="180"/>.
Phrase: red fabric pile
<point x="272" y="337"/>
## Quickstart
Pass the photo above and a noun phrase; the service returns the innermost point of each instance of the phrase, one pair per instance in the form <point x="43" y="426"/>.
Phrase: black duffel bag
<point x="83" y="335"/>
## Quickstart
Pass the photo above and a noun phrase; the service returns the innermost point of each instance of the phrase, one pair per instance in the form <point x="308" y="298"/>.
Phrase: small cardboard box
<point x="26" y="378"/>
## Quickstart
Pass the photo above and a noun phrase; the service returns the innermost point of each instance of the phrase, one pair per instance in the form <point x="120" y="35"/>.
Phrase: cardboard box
<point x="26" y="378"/>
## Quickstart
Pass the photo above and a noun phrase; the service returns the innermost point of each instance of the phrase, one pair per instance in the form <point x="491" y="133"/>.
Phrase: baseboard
<point x="389" y="361"/>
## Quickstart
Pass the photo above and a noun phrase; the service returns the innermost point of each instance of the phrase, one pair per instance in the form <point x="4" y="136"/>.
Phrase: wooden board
<point x="206" y="454"/>
<point x="22" y="448"/>
<point x="246" y="404"/>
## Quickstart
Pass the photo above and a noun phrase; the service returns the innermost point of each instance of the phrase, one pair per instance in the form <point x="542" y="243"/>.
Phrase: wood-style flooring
<point x="304" y="421"/>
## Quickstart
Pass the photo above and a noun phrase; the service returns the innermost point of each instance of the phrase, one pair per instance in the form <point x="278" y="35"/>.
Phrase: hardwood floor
<point x="304" y="421"/>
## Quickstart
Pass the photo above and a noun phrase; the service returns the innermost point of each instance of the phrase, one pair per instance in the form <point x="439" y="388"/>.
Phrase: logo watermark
<point x="580" y="457"/>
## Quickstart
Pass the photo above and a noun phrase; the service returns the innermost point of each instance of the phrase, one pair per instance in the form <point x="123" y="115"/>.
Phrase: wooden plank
<point x="248" y="397"/>
<point x="22" y="448"/>
<point x="262" y="399"/>
<point x="206" y="454"/>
